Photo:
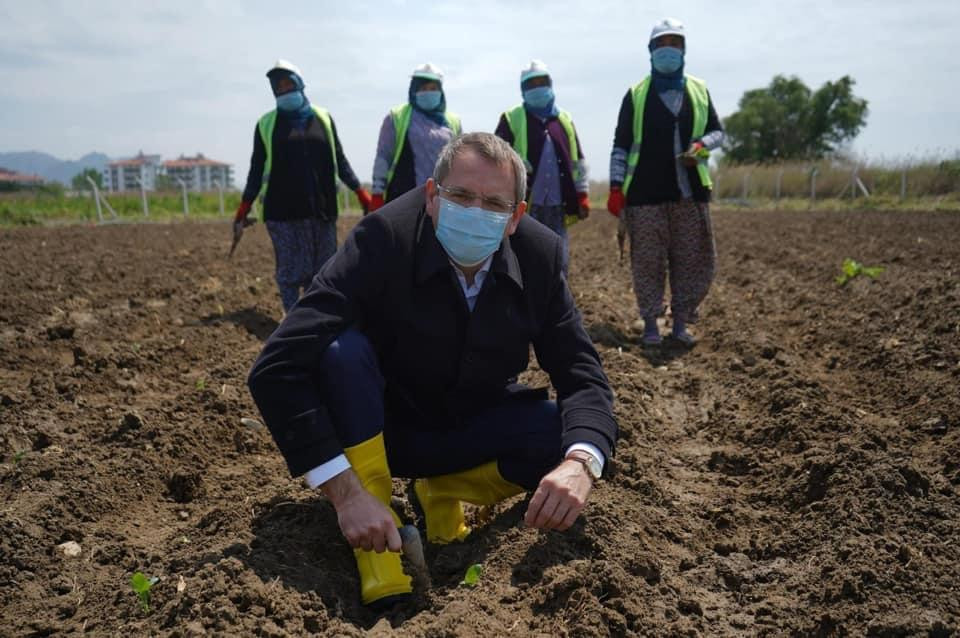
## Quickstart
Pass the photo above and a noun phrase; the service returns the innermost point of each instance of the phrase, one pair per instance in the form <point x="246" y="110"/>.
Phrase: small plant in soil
<point x="18" y="456"/>
<point x="201" y="384"/>
<point x="141" y="586"/>
<point x="472" y="576"/>
<point x="851" y="269"/>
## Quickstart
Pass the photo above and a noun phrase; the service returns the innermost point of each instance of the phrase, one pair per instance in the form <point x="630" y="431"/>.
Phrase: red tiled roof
<point x="188" y="162"/>
<point x="139" y="160"/>
<point x="20" y="178"/>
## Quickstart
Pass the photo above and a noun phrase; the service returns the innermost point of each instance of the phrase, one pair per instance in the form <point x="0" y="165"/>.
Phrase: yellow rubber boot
<point x="441" y="499"/>
<point x="381" y="575"/>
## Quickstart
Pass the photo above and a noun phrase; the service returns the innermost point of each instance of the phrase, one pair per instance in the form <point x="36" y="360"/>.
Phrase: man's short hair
<point x="491" y="148"/>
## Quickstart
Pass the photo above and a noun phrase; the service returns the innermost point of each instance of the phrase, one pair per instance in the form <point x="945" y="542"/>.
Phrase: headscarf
<point x="437" y="114"/>
<point x="550" y="110"/>
<point x="301" y="116"/>
<point x="666" y="81"/>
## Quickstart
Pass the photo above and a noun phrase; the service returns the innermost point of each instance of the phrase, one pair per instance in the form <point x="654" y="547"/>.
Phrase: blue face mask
<point x="469" y="235"/>
<point x="291" y="101"/>
<point x="429" y="100"/>
<point x="667" y="59"/>
<point x="538" y="97"/>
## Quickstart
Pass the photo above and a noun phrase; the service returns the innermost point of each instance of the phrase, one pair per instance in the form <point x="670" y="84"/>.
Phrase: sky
<point x="182" y="77"/>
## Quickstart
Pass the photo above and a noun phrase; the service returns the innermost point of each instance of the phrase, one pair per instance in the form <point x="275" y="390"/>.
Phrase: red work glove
<point x="584" y="200"/>
<point x="692" y="156"/>
<point x="615" y="201"/>
<point x="364" y="197"/>
<point x="376" y="201"/>
<point x="242" y="211"/>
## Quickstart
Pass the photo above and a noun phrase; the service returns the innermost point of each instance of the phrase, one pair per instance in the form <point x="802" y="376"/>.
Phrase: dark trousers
<point x="521" y="434"/>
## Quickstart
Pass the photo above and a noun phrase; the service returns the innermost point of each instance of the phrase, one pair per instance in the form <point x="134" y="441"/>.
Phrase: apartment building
<point x="128" y="174"/>
<point x="199" y="173"/>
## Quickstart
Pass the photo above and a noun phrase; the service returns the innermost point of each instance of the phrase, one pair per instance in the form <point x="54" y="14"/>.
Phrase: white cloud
<point x="185" y="76"/>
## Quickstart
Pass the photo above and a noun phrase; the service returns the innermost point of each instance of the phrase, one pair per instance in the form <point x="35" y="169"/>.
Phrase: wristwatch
<point x="589" y="462"/>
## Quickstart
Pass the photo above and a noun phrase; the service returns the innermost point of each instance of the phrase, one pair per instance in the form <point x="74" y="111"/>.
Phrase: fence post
<point x="779" y="180"/>
<point x="745" y="189"/>
<point x="183" y="189"/>
<point x="813" y="185"/>
<point x="96" y="199"/>
<point x="219" y="186"/>
<point x="903" y="184"/>
<point x="853" y="182"/>
<point x="143" y="198"/>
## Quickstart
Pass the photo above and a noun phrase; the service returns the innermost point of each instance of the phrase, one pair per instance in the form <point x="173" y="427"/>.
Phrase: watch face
<point x="594" y="466"/>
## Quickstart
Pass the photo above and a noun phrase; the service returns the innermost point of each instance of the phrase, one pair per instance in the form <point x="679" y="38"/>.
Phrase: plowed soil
<point x="796" y="473"/>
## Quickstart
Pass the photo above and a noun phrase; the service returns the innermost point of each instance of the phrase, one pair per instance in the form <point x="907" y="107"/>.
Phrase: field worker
<point x="296" y="159"/>
<point x="411" y="137"/>
<point x="660" y="182"/>
<point x="546" y="140"/>
<point x="402" y="358"/>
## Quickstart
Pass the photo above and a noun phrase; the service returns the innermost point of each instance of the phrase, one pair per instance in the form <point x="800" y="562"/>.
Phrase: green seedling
<point x="141" y="586"/>
<point x="201" y="384"/>
<point x="18" y="456"/>
<point x="472" y="577"/>
<point x="851" y="269"/>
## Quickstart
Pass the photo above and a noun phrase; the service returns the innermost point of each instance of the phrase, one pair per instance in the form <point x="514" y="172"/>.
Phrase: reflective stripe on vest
<point x="401" y="115"/>
<point x="268" y="123"/>
<point x="517" y="121"/>
<point x="699" y="101"/>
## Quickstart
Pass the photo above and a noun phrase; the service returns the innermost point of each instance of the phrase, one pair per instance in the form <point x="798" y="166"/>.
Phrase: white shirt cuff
<point x="591" y="449"/>
<point x="323" y="473"/>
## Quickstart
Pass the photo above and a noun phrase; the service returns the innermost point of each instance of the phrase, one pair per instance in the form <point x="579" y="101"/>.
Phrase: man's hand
<point x="366" y="523"/>
<point x="560" y="497"/>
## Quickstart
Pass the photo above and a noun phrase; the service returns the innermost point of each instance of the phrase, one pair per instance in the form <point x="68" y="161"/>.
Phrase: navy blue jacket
<point x="441" y="363"/>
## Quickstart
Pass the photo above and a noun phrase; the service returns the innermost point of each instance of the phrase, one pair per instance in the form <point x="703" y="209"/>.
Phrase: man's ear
<point x="432" y="201"/>
<point x="519" y="212"/>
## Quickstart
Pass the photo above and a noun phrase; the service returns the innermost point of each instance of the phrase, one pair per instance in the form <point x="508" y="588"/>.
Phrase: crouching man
<point x="401" y="360"/>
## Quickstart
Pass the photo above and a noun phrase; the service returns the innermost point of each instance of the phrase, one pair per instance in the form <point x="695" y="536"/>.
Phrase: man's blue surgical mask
<point x="469" y="235"/>
<point x="429" y="100"/>
<point x="538" y="97"/>
<point x="291" y="101"/>
<point x="667" y="59"/>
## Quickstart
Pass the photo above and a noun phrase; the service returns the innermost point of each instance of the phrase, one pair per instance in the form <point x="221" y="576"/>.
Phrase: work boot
<point x="681" y="334"/>
<point x="441" y="499"/>
<point x="651" y="333"/>
<point x="382" y="580"/>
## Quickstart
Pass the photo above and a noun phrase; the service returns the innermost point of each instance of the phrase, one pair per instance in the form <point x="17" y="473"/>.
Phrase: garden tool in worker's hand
<point x="695" y="154"/>
<point x="621" y="234"/>
<point x="238" y="227"/>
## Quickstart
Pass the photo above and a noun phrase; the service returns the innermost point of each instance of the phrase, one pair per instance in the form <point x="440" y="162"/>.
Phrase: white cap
<point x="535" y="69"/>
<point x="428" y="71"/>
<point x="667" y="26"/>
<point x="285" y="65"/>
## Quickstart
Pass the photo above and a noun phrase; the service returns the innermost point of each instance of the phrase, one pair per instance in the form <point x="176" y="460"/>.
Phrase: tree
<point x="787" y="120"/>
<point x="79" y="181"/>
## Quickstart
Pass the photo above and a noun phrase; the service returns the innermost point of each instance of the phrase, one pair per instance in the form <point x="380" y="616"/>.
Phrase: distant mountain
<point x="49" y="167"/>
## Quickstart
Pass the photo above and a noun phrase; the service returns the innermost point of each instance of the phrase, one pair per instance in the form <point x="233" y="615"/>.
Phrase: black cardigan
<point x="302" y="181"/>
<point x="655" y="176"/>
